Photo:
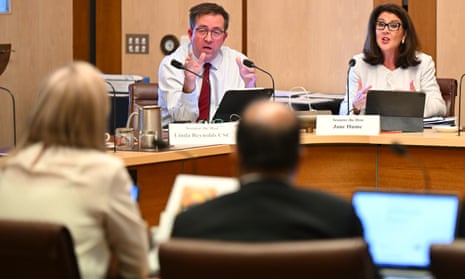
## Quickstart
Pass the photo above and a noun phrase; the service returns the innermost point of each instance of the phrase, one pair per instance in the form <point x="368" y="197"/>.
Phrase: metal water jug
<point x="150" y="131"/>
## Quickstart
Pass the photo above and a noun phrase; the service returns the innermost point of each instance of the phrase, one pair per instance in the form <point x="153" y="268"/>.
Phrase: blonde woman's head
<point x="72" y="109"/>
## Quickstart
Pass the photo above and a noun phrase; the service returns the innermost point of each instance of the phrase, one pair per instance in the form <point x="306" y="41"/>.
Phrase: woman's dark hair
<point x="407" y="56"/>
<point x="206" y="9"/>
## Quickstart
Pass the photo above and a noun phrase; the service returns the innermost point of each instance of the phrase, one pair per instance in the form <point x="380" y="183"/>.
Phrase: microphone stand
<point x="251" y="64"/>
<point x="272" y="80"/>
<point x="178" y="65"/>
<point x="14" y="112"/>
<point x="460" y="105"/>
<point x="351" y="64"/>
<point x="113" y="114"/>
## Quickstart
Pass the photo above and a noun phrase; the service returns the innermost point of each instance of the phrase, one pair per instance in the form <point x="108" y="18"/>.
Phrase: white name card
<point x="202" y="134"/>
<point x="354" y="125"/>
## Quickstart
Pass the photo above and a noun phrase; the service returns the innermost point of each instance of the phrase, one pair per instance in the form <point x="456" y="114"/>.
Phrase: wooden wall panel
<point x="41" y="36"/>
<point x="379" y="2"/>
<point x="423" y="14"/>
<point x="81" y="30"/>
<point x="108" y="39"/>
<point x="450" y="60"/>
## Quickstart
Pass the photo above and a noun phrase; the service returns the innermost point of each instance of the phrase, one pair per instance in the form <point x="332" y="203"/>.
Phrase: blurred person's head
<point x="268" y="139"/>
<point x="72" y="109"/>
<point x="390" y="30"/>
<point x="208" y="29"/>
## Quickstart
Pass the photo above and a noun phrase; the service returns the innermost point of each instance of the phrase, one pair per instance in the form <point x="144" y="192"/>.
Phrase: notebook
<point x="190" y="190"/>
<point x="399" y="228"/>
<point x="398" y="110"/>
<point x="234" y="102"/>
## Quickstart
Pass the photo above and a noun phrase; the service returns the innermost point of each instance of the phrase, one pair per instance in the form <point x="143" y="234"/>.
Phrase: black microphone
<point x="14" y="112"/>
<point x="400" y="150"/>
<point x="113" y="114"/>
<point x="251" y="64"/>
<point x="351" y="64"/>
<point x="178" y="65"/>
<point x="460" y="104"/>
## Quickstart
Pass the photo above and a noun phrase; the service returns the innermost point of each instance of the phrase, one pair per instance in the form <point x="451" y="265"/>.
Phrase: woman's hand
<point x="360" y="98"/>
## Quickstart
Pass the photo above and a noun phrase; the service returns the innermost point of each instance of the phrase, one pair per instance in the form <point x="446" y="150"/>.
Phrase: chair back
<point x="36" y="250"/>
<point x="141" y="94"/>
<point x="190" y="258"/>
<point x="448" y="87"/>
<point x="5" y="51"/>
<point x="448" y="260"/>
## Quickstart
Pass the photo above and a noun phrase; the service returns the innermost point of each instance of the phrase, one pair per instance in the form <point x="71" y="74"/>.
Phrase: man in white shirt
<point x="179" y="90"/>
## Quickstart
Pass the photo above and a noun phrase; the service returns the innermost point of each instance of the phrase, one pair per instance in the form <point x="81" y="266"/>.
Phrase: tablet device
<point x="398" y="110"/>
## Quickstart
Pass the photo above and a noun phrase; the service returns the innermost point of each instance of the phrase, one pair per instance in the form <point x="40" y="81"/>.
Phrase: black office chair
<point x="316" y="259"/>
<point x="36" y="250"/>
<point x="5" y="51"/>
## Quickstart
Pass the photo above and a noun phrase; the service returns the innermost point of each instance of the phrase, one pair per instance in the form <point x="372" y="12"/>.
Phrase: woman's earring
<point x="403" y="40"/>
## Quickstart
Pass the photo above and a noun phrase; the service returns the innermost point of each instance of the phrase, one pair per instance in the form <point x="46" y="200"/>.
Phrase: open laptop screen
<point x="400" y="227"/>
<point x="234" y="102"/>
<point x="398" y="110"/>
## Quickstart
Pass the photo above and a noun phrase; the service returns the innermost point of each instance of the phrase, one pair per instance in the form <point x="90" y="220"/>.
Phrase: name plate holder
<point x="202" y="133"/>
<point x="347" y="125"/>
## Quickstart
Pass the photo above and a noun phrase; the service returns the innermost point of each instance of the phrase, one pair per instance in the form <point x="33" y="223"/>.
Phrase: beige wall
<point x="450" y="59"/>
<point x="306" y="43"/>
<point x="301" y="42"/>
<point x="41" y="36"/>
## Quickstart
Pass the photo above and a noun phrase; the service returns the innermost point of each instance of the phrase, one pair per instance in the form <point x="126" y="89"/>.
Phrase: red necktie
<point x="204" y="99"/>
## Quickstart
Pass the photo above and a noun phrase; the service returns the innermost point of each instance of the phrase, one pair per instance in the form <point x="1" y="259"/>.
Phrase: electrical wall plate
<point x="137" y="43"/>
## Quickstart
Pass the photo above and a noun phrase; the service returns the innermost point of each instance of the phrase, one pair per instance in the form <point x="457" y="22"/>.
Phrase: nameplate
<point x="202" y="134"/>
<point x="354" y="125"/>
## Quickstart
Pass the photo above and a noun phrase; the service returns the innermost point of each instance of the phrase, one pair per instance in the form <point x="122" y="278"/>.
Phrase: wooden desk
<point x="338" y="164"/>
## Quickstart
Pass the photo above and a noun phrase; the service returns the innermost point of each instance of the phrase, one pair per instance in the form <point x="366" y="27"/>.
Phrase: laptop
<point x="399" y="228"/>
<point x="398" y="110"/>
<point x="234" y="102"/>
